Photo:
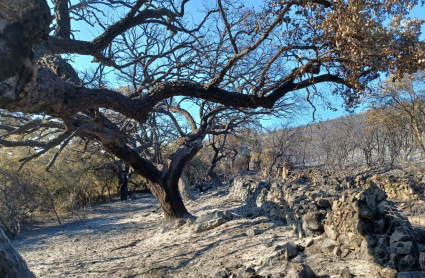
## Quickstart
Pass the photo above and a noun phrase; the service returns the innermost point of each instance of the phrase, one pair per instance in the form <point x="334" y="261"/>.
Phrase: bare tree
<point x="404" y="100"/>
<point x="217" y="143"/>
<point x="277" y="147"/>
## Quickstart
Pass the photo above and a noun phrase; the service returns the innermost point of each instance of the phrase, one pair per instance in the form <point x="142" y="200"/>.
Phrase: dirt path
<point x="127" y="239"/>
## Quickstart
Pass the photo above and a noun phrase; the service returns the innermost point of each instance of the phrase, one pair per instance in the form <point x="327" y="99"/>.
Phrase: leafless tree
<point x="278" y="147"/>
<point x="403" y="102"/>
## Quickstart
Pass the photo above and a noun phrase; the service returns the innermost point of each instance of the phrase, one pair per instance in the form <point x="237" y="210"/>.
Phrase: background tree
<point x="277" y="147"/>
<point x="404" y="100"/>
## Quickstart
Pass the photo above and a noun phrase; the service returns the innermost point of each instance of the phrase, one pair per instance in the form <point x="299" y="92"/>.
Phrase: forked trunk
<point x="163" y="184"/>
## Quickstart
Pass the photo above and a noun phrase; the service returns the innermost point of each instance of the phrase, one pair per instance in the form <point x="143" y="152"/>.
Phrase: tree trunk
<point x="213" y="175"/>
<point x="11" y="263"/>
<point x="184" y="188"/>
<point x="169" y="199"/>
<point x="124" y="189"/>
<point x="123" y="176"/>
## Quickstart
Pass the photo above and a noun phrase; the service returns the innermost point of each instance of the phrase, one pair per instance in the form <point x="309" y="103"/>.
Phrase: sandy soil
<point x="128" y="239"/>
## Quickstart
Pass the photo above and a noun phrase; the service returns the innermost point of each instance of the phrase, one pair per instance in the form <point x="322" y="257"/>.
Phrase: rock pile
<point x="364" y="225"/>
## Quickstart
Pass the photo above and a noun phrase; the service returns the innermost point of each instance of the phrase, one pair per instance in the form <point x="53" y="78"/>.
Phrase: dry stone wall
<point x="300" y="205"/>
<point x="354" y="214"/>
<point x="363" y="224"/>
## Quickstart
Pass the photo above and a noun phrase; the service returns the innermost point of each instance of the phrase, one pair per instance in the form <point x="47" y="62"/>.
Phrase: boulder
<point x="401" y="248"/>
<point x="211" y="220"/>
<point x="289" y="250"/>
<point x="312" y="222"/>
<point x="328" y="245"/>
<point x="399" y="235"/>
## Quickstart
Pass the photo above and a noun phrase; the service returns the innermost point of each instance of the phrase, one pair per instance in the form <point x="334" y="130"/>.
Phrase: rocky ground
<point x="259" y="233"/>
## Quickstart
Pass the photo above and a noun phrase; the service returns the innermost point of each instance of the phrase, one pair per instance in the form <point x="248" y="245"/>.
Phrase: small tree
<point x="404" y="102"/>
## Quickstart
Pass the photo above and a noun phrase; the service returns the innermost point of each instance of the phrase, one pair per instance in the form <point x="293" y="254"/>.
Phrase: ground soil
<point x="129" y="239"/>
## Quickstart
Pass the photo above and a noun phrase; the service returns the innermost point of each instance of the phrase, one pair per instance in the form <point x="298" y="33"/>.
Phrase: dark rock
<point x="399" y="235"/>
<point x="313" y="222"/>
<point x="291" y="250"/>
<point x="401" y="247"/>
<point x="324" y="203"/>
<point x="365" y="212"/>
<point x="422" y="260"/>
<point x="250" y="270"/>
<point x="221" y="274"/>
<point x="411" y="274"/>
<point x="407" y="263"/>
<point x="365" y="226"/>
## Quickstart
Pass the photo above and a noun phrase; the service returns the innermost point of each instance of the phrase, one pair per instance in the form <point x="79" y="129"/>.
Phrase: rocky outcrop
<point x="246" y="189"/>
<point x="397" y="188"/>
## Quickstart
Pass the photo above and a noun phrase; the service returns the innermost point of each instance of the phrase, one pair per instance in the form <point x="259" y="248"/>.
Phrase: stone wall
<point x="397" y="188"/>
<point x="363" y="224"/>
<point x="354" y="215"/>
<point x="300" y="205"/>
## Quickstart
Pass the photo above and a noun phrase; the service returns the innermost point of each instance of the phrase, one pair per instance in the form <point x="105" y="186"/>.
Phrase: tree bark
<point x="184" y="188"/>
<point x="169" y="199"/>
<point x="213" y="175"/>
<point x="123" y="176"/>
<point x="11" y="263"/>
<point x="163" y="184"/>
<point x="124" y="189"/>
